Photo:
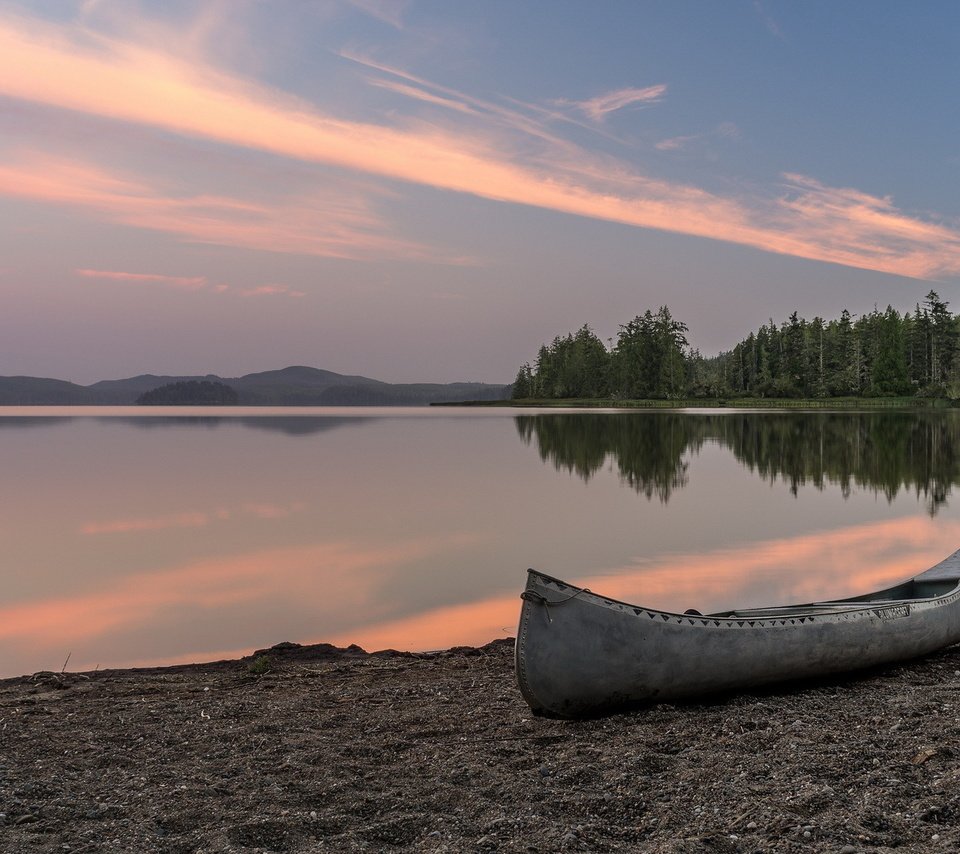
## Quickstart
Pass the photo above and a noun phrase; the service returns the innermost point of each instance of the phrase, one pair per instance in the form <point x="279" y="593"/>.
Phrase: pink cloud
<point x="188" y="282"/>
<point x="159" y="523"/>
<point x="132" y="83"/>
<point x="192" y="283"/>
<point x="330" y="224"/>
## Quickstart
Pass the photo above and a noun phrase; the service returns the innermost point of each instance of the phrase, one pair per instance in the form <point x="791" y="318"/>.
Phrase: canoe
<point x="579" y="654"/>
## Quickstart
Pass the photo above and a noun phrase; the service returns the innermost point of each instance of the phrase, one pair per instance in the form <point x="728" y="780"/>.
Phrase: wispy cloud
<point x="187" y="282"/>
<point x="768" y="20"/>
<point x="157" y="523"/>
<point x="192" y="283"/>
<point x="600" y="107"/>
<point x="502" y="159"/>
<point x="675" y="143"/>
<point x="331" y="224"/>
<point x="272" y="291"/>
<point x="725" y="130"/>
<point x="388" y="11"/>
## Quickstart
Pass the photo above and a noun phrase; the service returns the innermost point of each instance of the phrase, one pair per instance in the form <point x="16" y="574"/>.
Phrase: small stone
<point x="935" y="837"/>
<point x="313" y="815"/>
<point x="807" y="834"/>
<point x="751" y="825"/>
<point x="545" y="772"/>
<point x="848" y="849"/>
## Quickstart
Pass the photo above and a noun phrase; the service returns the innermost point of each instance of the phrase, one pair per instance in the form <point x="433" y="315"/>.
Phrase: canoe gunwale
<point x="755" y="618"/>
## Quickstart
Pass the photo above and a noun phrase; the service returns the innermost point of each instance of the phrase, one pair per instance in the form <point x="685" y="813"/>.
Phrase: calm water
<point x="132" y="539"/>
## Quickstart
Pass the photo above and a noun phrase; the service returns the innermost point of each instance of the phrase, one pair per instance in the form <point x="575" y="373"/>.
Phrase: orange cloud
<point x="130" y="82"/>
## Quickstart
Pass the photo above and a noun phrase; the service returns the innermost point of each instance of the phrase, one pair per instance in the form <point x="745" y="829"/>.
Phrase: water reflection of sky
<point x="211" y="538"/>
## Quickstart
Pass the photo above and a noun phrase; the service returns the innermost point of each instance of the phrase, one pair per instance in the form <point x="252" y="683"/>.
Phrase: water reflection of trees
<point x="884" y="452"/>
<point x="648" y="450"/>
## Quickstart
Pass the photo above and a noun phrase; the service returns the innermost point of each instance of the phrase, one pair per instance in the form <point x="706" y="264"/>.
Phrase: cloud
<point x="334" y="223"/>
<point x="192" y="283"/>
<point x="768" y="21"/>
<point x="388" y="11"/>
<point x="187" y="282"/>
<point x="725" y="130"/>
<point x="507" y="158"/>
<point x="159" y="523"/>
<point x="675" y="143"/>
<point x="600" y="107"/>
<point x="272" y="291"/>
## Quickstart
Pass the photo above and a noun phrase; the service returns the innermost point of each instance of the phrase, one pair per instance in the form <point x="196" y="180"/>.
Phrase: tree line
<point x="878" y="354"/>
<point x="190" y="393"/>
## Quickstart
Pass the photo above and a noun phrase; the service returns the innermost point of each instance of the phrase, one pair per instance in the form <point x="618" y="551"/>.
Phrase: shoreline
<point x="732" y="404"/>
<point x="329" y="749"/>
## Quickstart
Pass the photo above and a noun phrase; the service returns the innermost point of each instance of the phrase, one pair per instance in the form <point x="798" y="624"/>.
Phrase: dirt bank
<point x="304" y="749"/>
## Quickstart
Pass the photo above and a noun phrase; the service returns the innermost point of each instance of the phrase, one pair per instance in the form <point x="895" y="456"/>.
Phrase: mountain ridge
<point x="295" y="385"/>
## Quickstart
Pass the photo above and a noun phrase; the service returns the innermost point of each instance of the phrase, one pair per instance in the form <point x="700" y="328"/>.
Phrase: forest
<point x="190" y="393"/>
<point x="879" y="354"/>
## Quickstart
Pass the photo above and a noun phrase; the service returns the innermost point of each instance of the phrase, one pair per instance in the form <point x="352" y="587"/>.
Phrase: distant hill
<point x="293" y="386"/>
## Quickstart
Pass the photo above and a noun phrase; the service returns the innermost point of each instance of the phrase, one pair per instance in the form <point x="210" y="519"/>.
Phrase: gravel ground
<point x="302" y="749"/>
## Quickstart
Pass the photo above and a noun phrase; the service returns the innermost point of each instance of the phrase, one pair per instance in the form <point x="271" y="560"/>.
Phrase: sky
<point x="426" y="190"/>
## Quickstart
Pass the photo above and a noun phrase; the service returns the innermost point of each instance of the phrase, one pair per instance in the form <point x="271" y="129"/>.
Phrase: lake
<point x="174" y="535"/>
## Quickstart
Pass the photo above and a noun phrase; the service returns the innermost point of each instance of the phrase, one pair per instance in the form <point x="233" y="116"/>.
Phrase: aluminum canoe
<point x="580" y="654"/>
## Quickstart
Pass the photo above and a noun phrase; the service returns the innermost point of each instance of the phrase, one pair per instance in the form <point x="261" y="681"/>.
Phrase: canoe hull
<point x="580" y="654"/>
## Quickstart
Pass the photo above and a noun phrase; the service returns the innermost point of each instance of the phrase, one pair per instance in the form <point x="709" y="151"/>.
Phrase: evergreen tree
<point x="523" y="385"/>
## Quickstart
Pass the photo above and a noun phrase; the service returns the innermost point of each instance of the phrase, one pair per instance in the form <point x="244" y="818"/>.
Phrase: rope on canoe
<point x="533" y="596"/>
